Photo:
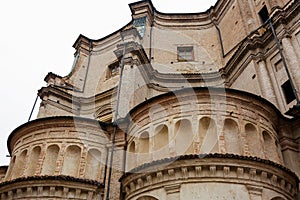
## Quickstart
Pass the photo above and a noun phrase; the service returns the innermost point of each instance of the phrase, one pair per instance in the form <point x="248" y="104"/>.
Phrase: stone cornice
<point x="217" y="167"/>
<point x="242" y="96"/>
<point x="62" y="178"/>
<point x="289" y="144"/>
<point x="45" y="187"/>
<point x="51" y="122"/>
<point x="75" y="103"/>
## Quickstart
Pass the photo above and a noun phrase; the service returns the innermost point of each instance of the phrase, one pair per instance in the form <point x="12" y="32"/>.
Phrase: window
<point x="185" y="53"/>
<point x="263" y="14"/>
<point x="140" y="25"/>
<point x="288" y="92"/>
<point x="113" y="69"/>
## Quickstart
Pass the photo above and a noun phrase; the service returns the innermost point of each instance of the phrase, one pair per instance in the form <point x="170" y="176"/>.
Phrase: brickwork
<point x="223" y="99"/>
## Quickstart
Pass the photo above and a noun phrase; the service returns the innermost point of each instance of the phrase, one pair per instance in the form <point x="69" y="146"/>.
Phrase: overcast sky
<point x="36" y="37"/>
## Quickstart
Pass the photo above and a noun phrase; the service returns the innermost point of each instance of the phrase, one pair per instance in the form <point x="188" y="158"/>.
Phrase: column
<point x="292" y="62"/>
<point x="265" y="83"/>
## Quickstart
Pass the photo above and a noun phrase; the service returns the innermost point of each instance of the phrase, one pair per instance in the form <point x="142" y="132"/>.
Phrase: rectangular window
<point x="288" y="92"/>
<point x="263" y="14"/>
<point x="113" y="69"/>
<point x="140" y="25"/>
<point x="185" y="53"/>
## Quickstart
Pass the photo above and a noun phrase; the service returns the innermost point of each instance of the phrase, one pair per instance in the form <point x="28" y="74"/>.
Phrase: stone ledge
<point x="213" y="168"/>
<point x="45" y="187"/>
<point x="52" y="178"/>
<point x="200" y="156"/>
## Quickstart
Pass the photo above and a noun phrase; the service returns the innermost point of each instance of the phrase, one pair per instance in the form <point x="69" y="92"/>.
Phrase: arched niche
<point x="270" y="149"/>
<point x="183" y="137"/>
<point x="71" y="161"/>
<point x="20" y="165"/>
<point x="104" y="113"/>
<point x="161" y="137"/>
<point x="33" y="161"/>
<point x="278" y="198"/>
<point x="11" y="168"/>
<point x="131" y="147"/>
<point x="49" y="163"/>
<point x="147" y="198"/>
<point x="131" y="155"/>
<point x="144" y="142"/>
<point x="208" y="136"/>
<point x="161" y="141"/>
<point x="93" y="164"/>
<point x="252" y="137"/>
<point x="231" y="137"/>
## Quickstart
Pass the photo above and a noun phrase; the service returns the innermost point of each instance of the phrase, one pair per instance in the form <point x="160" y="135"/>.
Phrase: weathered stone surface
<point x="200" y="112"/>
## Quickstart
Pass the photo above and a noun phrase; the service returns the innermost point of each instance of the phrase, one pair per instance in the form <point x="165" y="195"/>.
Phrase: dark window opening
<point x="113" y="69"/>
<point x="185" y="53"/>
<point x="263" y="14"/>
<point x="288" y="92"/>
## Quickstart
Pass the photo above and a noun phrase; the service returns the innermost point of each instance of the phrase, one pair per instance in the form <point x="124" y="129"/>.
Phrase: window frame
<point x="188" y="53"/>
<point x="113" y="69"/>
<point x="264" y="14"/>
<point x="288" y="92"/>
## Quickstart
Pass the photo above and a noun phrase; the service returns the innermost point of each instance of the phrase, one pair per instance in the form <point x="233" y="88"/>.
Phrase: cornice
<point x="48" y="179"/>
<point x="83" y="39"/>
<point x="256" y="41"/>
<point x="243" y="96"/>
<point x="203" y="168"/>
<point x="170" y="160"/>
<point x="51" y="122"/>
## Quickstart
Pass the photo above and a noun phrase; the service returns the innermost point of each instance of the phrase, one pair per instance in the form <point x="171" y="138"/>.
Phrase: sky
<point x="36" y="37"/>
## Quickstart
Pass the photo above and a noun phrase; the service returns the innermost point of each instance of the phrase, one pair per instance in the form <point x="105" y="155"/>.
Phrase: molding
<point x="51" y="186"/>
<point x="224" y="168"/>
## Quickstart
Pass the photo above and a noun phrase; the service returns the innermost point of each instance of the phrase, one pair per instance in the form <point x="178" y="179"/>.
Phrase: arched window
<point x="33" y="161"/>
<point x="253" y="140"/>
<point x="51" y="156"/>
<point x="232" y="140"/>
<point x="93" y="164"/>
<point x="183" y="137"/>
<point x="71" y="161"/>
<point x="208" y="136"/>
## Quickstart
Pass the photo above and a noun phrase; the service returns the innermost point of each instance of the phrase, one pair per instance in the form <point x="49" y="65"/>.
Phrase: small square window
<point x="113" y="69"/>
<point x="288" y="92"/>
<point x="185" y="53"/>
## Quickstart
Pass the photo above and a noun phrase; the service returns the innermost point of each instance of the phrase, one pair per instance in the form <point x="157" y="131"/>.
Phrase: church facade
<point x="170" y="106"/>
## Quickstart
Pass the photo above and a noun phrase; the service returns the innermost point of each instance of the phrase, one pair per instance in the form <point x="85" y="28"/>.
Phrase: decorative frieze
<point x="50" y="187"/>
<point x="242" y="171"/>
